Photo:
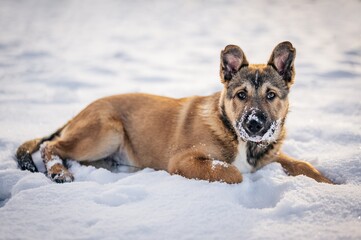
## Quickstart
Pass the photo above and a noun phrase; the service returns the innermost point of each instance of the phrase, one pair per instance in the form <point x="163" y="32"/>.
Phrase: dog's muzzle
<point x="254" y="123"/>
<point x="254" y="126"/>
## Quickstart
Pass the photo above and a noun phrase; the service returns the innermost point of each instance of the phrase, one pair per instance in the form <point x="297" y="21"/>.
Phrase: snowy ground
<point x="58" y="56"/>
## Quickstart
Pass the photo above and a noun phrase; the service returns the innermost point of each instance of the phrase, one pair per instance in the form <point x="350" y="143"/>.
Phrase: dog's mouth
<point x="264" y="137"/>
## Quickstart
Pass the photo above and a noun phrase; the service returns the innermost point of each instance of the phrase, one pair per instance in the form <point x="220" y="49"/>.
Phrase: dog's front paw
<point x="224" y="172"/>
<point x="304" y="168"/>
<point x="62" y="177"/>
<point x="59" y="174"/>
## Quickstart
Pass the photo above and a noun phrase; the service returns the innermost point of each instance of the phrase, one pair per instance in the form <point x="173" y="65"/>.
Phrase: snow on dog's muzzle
<point x="253" y="126"/>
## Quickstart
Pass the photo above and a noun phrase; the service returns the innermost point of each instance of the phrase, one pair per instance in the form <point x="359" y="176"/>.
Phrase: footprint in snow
<point x="120" y="195"/>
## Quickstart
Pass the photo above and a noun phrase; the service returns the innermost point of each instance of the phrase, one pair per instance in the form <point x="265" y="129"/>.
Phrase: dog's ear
<point x="232" y="59"/>
<point x="282" y="59"/>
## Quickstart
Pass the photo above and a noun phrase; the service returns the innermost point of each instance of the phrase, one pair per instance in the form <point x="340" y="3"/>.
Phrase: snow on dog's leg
<point x="56" y="170"/>
<point x="195" y="165"/>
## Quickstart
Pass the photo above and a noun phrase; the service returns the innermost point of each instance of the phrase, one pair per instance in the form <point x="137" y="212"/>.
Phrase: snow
<point x="58" y="56"/>
<point x="217" y="163"/>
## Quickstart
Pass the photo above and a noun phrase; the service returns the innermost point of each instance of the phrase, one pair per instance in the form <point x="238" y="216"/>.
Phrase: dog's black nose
<point x="254" y="122"/>
<point x="254" y="126"/>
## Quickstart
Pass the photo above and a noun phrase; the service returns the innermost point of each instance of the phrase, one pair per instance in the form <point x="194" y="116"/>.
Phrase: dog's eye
<point x="271" y="95"/>
<point x="242" y="95"/>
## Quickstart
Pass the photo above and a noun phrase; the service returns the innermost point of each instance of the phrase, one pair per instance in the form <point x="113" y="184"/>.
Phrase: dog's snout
<point x="254" y="126"/>
<point x="254" y="122"/>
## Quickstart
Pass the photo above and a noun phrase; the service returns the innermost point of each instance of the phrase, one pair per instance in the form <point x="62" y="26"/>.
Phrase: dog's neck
<point x="260" y="154"/>
<point x="255" y="152"/>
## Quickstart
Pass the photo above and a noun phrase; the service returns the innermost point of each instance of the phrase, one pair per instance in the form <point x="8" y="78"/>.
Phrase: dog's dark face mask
<point x="255" y="97"/>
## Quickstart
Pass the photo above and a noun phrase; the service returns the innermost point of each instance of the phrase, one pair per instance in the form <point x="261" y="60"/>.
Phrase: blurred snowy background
<point x="58" y="56"/>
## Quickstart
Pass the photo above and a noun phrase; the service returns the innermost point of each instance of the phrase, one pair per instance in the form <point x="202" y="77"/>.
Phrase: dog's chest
<point x="240" y="162"/>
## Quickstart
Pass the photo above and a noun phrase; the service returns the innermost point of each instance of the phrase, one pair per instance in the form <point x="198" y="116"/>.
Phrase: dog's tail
<point x="23" y="154"/>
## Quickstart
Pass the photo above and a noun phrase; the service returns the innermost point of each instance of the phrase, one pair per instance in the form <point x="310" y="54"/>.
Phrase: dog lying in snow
<point x="215" y="138"/>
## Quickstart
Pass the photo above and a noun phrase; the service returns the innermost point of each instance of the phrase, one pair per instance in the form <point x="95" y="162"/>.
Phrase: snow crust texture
<point x="58" y="56"/>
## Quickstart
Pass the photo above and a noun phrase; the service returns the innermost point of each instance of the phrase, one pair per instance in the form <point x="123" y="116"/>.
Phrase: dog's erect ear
<point x="232" y="59"/>
<point x="282" y="60"/>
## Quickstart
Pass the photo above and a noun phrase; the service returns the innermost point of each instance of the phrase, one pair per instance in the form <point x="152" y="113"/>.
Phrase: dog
<point x="215" y="138"/>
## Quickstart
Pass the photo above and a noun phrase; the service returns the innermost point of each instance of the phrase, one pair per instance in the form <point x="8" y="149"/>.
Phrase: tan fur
<point x="294" y="167"/>
<point x="182" y="136"/>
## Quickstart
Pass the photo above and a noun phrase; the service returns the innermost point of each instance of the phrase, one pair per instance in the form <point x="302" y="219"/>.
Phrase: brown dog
<point x="215" y="138"/>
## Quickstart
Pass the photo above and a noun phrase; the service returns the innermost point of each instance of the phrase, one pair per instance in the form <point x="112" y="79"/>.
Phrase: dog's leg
<point x="82" y="140"/>
<point x="295" y="167"/>
<point x="56" y="170"/>
<point x="196" y="165"/>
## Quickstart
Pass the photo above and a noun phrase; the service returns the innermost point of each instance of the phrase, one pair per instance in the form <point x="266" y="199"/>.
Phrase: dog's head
<point x="255" y="97"/>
